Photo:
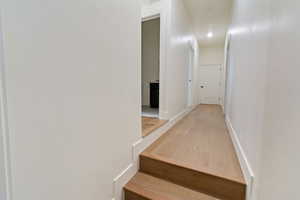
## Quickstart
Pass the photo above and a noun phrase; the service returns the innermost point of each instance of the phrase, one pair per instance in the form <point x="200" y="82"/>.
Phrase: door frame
<point x="220" y="68"/>
<point x="227" y="60"/>
<point x="190" y="77"/>
<point x="146" y="19"/>
<point x="163" y="14"/>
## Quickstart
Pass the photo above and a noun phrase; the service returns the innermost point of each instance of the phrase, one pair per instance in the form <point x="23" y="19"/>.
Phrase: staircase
<point x="195" y="160"/>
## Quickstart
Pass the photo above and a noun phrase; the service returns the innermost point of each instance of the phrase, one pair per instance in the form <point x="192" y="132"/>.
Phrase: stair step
<point x="146" y="187"/>
<point x="198" y="153"/>
<point x="196" y="180"/>
<point x="195" y="157"/>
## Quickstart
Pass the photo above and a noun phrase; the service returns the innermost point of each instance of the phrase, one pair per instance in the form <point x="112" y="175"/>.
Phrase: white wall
<point x="2" y="170"/>
<point x="148" y="2"/>
<point x="281" y="141"/>
<point x="3" y="163"/>
<point x="3" y="194"/>
<point x="150" y="8"/>
<point x="150" y="56"/>
<point x="247" y="78"/>
<point x="263" y="93"/>
<point x="211" y="55"/>
<point x="179" y="37"/>
<point x="68" y="66"/>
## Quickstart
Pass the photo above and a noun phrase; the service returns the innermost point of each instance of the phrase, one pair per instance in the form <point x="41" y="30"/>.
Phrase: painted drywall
<point x="211" y="55"/>
<point x="246" y="84"/>
<point x="3" y="194"/>
<point x="281" y="140"/>
<point x="263" y="93"/>
<point x="148" y="2"/>
<point x="3" y="154"/>
<point x="178" y="39"/>
<point x="150" y="8"/>
<point x="73" y="75"/>
<point x="150" y="56"/>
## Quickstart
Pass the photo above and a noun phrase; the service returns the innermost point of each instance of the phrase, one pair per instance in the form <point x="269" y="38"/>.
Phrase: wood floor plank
<point x="198" y="148"/>
<point x="150" y="124"/>
<point x="201" y="141"/>
<point x="196" y="180"/>
<point x="144" y="187"/>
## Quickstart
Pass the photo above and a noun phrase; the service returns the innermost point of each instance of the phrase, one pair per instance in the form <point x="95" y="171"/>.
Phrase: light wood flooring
<point x="150" y="124"/>
<point x="150" y="187"/>
<point x="201" y="142"/>
<point x="197" y="154"/>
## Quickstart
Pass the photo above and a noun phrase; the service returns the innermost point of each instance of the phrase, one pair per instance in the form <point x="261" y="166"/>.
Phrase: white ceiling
<point x="210" y="16"/>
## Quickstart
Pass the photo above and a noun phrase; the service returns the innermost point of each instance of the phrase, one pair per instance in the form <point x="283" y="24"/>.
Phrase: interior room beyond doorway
<point x="150" y="75"/>
<point x="150" y="67"/>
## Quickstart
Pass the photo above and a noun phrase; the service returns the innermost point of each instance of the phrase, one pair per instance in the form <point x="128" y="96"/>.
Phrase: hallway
<point x="196" y="153"/>
<point x="73" y="92"/>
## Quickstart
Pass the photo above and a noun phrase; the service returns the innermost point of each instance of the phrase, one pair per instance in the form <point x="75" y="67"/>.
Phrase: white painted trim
<point x="148" y="18"/>
<point x="223" y="109"/>
<point x="122" y="179"/>
<point x="225" y="70"/>
<point x="163" y="63"/>
<point x="209" y="65"/>
<point x="161" y="10"/>
<point x="163" y="115"/>
<point x="151" y="10"/>
<point x="150" y="115"/>
<point x="220" y="84"/>
<point x="245" y="165"/>
<point x="4" y="130"/>
<point x="137" y="148"/>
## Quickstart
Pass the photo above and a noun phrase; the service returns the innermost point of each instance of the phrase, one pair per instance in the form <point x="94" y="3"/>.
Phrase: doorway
<point x="210" y="83"/>
<point x="151" y="50"/>
<point x="150" y="67"/>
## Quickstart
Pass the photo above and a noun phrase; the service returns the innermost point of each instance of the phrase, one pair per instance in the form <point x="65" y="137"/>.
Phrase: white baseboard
<point x="137" y="148"/>
<point x="163" y="115"/>
<point x="245" y="165"/>
<point x="122" y="179"/>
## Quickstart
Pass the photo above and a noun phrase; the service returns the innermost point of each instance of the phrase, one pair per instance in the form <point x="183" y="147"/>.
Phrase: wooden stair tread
<point x="200" y="142"/>
<point x="145" y="187"/>
<point x="150" y="124"/>
<point x="192" y="160"/>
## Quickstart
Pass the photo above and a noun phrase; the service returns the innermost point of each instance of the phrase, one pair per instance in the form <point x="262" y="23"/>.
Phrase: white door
<point x="210" y="84"/>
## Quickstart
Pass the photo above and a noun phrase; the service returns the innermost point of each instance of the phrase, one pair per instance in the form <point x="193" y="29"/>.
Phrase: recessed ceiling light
<point x="209" y="34"/>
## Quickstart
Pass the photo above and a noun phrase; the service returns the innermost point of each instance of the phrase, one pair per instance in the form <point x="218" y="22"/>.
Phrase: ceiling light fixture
<point x="209" y="34"/>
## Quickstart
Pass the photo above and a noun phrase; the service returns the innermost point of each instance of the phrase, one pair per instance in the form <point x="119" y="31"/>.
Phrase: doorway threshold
<point x="150" y="124"/>
<point x="147" y="111"/>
